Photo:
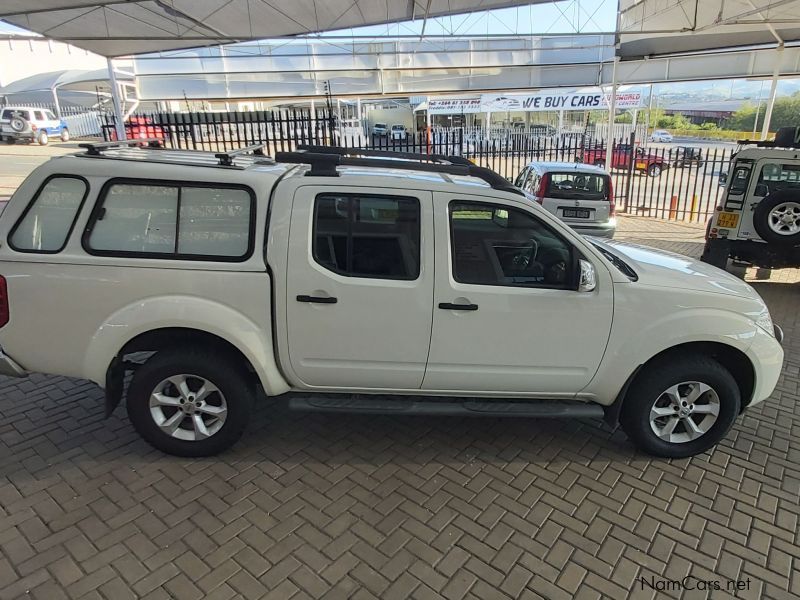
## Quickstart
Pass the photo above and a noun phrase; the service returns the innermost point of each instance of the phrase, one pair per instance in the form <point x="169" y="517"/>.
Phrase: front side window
<point x="49" y="115"/>
<point x="367" y="236"/>
<point x="38" y="115"/>
<point x="46" y="223"/>
<point x="499" y="245"/>
<point x="183" y="221"/>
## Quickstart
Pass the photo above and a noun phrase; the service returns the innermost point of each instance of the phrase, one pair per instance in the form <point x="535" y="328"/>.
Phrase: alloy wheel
<point x="784" y="219"/>
<point x="188" y="407"/>
<point x="684" y="412"/>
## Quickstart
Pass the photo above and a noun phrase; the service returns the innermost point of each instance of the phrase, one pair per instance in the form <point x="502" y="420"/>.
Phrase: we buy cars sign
<point x="558" y="101"/>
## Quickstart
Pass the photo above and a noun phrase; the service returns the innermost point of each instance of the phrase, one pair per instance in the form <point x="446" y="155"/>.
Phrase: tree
<point x="786" y="113"/>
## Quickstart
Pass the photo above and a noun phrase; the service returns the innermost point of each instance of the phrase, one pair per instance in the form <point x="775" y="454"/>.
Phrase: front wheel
<point x="654" y="170"/>
<point x="680" y="407"/>
<point x="600" y="164"/>
<point x="190" y="402"/>
<point x="65" y="135"/>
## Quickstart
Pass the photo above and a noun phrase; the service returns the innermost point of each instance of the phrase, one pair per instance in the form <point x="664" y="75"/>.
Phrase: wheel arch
<point x="734" y="360"/>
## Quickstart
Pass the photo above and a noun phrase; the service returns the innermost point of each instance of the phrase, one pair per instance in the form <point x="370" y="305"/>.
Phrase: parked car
<point x="580" y="195"/>
<point x="30" y="124"/>
<point x="758" y="221"/>
<point x="362" y="283"/>
<point x="643" y="162"/>
<point x="399" y="132"/>
<point x="661" y="135"/>
<point x="380" y="129"/>
<point x="686" y="156"/>
<point x="139" y="128"/>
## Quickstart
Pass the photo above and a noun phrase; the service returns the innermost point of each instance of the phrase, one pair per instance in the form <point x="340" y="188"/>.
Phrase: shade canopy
<point x="125" y="27"/>
<point x="75" y="79"/>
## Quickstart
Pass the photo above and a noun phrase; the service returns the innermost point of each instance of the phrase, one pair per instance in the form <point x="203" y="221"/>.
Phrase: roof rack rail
<point x="226" y="158"/>
<point x="95" y="149"/>
<point x="419" y="156"/>
<point x="324" y="165"/>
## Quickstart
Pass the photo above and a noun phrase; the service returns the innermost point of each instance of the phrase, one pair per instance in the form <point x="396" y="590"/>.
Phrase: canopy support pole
<point x="773" y="91"/>
<point x="56" y="102"/>
<point x="119" y="122"/>
<point x="612" y="111"/>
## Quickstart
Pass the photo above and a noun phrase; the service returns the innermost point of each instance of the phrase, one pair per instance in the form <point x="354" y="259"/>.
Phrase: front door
<point x="360" y="287"/>
<point x="507" y="316"/>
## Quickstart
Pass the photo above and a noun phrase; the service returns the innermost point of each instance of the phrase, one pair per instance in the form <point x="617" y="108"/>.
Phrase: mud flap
<point x="114" y="384"/>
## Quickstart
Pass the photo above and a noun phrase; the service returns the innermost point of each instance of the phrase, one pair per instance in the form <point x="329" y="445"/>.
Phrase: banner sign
<point x="454" y="106"/>
<point x="559" y="101"/>
<point x="533" y="102"/>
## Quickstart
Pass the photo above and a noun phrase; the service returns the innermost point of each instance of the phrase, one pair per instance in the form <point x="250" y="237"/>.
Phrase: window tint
<point x="737" y="183"/>
<point x="579" y="186"/>
<point x="173" y="220"/>
<point x="497" y="245"/>
<point x="368" y="236"/>
<point x="10" y="113"/>
<point x="46" y="224"/>
<point x="49" y="115"/>
<point x="38" y="115"/>
<point x="521" y="177"/>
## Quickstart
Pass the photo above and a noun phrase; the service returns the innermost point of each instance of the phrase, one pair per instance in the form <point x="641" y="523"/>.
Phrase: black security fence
<point x="677" y="182"/>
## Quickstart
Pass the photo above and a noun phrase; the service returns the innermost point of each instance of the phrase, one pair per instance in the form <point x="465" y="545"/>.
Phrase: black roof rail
<point x="226" y="158"/>
<point x="95" y="149"/>
<point x="324" y="165"/>
<point x="419" y="156"/>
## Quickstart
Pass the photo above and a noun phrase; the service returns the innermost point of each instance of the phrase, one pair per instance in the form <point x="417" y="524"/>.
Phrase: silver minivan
<point x="580" y="195"/>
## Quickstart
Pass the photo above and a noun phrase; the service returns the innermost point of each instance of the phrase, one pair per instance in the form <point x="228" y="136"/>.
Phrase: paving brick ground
<point x="378" y="507"/>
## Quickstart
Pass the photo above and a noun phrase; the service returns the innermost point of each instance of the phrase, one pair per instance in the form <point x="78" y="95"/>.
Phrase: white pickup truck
<point x="360" y="281"/>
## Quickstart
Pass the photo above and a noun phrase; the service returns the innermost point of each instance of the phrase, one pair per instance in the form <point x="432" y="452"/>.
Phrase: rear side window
<point x="577" y="186"/>
<point x="367" y="236"/>
<point x="10" y="113"/>
<point x="38" y="115"/>
<point x="172" y="221"/>
<point x="48" y="220"/>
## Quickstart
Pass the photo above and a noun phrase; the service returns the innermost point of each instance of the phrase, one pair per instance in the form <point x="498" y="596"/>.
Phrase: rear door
<point x="360" y="287"/>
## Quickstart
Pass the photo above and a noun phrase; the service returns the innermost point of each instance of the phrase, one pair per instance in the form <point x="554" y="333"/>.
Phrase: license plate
<point x="641" y="165"/>
<point x="576" y="213"/>
<point x="728" y="220"/>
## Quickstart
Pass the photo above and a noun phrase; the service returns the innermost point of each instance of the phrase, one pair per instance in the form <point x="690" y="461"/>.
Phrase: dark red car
<point x="643" y="162"/>
<point x="139" y="128"/>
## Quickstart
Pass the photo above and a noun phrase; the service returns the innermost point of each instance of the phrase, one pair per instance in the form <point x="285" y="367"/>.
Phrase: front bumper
<point x="9" y="367"/>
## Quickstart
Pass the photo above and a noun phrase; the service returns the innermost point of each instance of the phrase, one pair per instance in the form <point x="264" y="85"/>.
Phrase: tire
<point x="10" y="140"/>
<point x="777" y="218"/>
<point x="763" y="274"/>
<point x="648" y="393"/>
<point x="233" y="392"/>
<point x="654" y="170"/>
<point x="65" y="135"/>
<point x="17" y="124"/>
<point x="601" y="164"/>
<point x="715" y="252"/>
<point x="42" y="138"/>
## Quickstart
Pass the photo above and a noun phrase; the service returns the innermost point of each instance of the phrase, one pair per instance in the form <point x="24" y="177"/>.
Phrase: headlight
<point x="765" y="322"/>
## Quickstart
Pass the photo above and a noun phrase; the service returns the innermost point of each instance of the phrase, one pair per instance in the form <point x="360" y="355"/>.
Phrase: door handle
<point x="317" y="299"/>
<point x="451" y="306"/>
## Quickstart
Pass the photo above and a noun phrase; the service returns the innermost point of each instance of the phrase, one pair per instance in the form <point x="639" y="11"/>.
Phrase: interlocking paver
<point x="338" y="506"/>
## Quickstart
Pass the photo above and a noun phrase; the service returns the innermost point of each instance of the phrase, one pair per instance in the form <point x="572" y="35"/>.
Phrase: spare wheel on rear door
<point x="777" y="218"/>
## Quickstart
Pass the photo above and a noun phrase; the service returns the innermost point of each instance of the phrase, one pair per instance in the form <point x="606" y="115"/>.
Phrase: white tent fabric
<point x="125" y="27"/>
<point x="76" y="79"/>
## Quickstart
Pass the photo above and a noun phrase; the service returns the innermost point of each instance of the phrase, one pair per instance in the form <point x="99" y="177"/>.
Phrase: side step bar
<point x="466" y="407"/>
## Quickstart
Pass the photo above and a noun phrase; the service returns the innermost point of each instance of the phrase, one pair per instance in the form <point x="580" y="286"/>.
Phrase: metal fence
<point x="665" y="182"/>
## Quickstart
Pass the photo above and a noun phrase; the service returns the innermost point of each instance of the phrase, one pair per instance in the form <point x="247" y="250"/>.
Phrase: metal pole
<point x="612" y="111"/>
<point x="119" y="123"/>
<point x="772" y="93"/>
<point x="58" y="105"/>
<point x="758" y="110"/>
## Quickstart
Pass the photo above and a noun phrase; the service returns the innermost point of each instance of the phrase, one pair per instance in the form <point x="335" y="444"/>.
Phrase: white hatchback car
<point x="661" y="135"/>
<point x="580" y="195"/>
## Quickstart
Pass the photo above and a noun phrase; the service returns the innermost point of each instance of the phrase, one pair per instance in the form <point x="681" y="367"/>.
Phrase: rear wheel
<point x="65" y="135"/>
<point x="600" y="163"/>
<point x="10" y="140"/>
<point x="654" y="170"/>
<point x="42" y="138"/>
<point x="680" y="407"/>
<point x="190" y="402"/>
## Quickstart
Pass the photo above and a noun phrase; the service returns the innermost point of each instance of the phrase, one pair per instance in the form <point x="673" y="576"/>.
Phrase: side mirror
<point x="587" y="280"/>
